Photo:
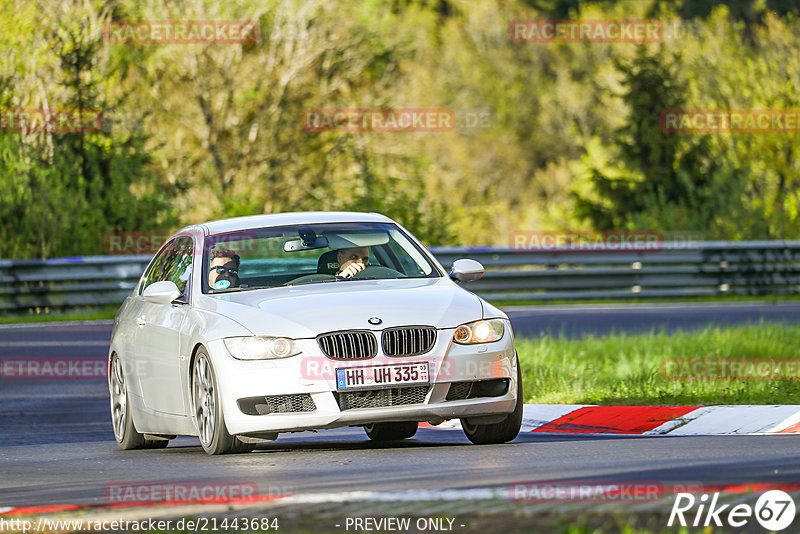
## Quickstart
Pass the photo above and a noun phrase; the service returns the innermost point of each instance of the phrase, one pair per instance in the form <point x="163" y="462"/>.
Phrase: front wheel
<point x="391" y="431"/>
<point x="502" y="432"/>
<point x="208" y="415"/>
<point x="125" y="432"/>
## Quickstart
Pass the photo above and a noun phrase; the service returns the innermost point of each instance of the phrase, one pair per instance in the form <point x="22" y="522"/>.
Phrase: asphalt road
<point x="56" y="444"/>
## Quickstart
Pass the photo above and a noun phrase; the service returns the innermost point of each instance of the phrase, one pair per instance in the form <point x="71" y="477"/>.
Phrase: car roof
<point x="283" y="219"/>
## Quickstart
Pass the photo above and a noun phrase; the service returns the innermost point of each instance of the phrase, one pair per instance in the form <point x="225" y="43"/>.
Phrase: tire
<point x="125" y="433"/>
<point x="208" y="416"/>
<point x="502" y="432"/>
<point x="391" y="431"/>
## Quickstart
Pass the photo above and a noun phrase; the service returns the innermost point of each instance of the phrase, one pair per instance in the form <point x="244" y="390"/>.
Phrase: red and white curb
<point x="656" y="420"/>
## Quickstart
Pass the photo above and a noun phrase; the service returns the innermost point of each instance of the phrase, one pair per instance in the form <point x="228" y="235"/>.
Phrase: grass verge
<point x="660" y="368"/>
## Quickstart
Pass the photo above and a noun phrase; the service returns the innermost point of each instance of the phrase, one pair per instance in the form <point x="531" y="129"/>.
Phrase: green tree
<point x="69" y="188"/>
<point x="663" y="179"/>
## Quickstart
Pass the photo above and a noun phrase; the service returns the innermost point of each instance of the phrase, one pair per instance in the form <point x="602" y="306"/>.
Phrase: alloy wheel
<point x="204" y="400"/>
<point x="119" y="399"/>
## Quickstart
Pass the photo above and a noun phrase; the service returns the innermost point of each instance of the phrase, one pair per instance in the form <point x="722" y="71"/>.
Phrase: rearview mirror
<point x="294" y="245"/>
<point x="162" y="292"/>
<point x="465" y="270"/>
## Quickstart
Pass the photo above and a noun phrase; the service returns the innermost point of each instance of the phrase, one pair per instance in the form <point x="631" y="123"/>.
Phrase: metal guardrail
<point x="63" y="283"/>
<point x="684" y="269"/>
<point x="701" y="268"/>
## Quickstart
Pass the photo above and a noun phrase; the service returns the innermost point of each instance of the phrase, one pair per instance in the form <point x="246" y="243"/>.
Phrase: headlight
<point x="484" y="331"/>
<point x="261" y="347"/>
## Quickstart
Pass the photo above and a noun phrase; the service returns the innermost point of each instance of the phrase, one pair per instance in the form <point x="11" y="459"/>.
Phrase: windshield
<point x="310" y="254"/>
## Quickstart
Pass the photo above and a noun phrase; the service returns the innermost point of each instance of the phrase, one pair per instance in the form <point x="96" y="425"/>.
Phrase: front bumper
<point x="313" y="374"/>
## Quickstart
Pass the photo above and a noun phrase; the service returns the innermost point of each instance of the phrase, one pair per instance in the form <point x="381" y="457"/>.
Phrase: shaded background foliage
<point x="571" y="138"/>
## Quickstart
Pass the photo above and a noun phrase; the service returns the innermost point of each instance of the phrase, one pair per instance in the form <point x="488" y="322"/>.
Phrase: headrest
<point x="327" y="263"/>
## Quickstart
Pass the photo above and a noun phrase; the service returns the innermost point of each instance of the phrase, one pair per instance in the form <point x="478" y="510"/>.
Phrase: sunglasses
<point x="222" y="270"/>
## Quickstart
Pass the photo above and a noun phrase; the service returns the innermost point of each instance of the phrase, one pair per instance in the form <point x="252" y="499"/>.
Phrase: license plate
<point x="382" y="375"/>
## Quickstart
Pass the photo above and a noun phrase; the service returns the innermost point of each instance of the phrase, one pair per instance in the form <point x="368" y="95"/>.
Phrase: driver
<point x="224" y="270"/>
<point x="352" y="261"/>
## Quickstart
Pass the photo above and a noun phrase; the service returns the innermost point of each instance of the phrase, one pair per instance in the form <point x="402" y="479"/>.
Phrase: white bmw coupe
<point x="244" y="328"/>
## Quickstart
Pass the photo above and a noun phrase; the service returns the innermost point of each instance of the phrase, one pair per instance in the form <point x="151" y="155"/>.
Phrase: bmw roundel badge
<point x="374" y="320"/>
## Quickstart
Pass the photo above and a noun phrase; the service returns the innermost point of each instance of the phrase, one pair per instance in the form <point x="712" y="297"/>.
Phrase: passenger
<point x="224" y="270"/>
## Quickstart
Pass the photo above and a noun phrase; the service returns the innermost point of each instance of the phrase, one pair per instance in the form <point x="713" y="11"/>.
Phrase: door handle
<point x="140" y="321"/>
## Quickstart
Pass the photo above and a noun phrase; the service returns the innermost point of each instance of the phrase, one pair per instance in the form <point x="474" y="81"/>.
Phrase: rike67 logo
<point x="774" y="510"/>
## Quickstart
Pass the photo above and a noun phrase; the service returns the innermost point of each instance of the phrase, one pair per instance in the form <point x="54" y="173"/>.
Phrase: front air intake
<point x="381" y="398"/>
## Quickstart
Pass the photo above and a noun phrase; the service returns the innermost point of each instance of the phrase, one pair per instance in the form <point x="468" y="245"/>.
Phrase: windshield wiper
<point x="313" y="282"/>
<point x="232" y="289"/>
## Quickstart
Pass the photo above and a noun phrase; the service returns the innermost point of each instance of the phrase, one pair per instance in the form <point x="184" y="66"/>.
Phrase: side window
<point x="173" y="263"/>
<point x="157" y="266"/>
<point x="178" y="263"/>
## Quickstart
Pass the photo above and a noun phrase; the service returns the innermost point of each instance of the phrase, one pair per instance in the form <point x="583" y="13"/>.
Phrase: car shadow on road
<point x="435" y="438"/>
<point x="336" y="440"/>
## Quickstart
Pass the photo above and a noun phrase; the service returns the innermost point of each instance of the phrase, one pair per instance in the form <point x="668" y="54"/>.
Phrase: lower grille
<point x="458" y="391"/>
<point x="301" y="402"/>
<point x="381" y="398"/>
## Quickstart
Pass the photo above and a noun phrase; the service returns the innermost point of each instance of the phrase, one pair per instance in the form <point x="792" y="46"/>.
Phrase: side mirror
<point x="162" y="292"/>
<point x="465" y="270"/>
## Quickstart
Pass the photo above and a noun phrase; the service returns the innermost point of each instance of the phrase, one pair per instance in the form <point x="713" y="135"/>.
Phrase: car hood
<point x="307" y="310"/>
